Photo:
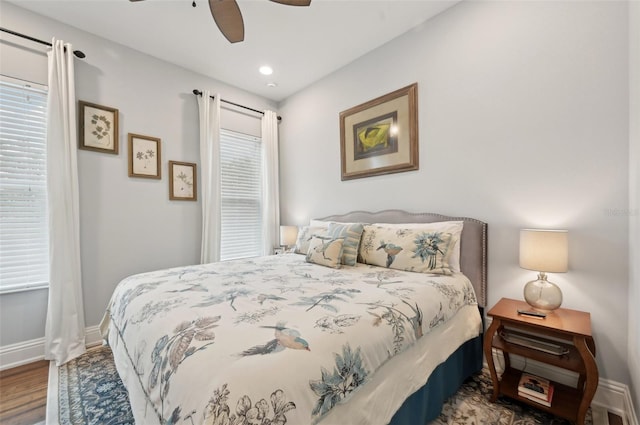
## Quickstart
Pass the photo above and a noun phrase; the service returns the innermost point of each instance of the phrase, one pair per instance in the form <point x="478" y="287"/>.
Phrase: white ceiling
<point x="301" y="44"/>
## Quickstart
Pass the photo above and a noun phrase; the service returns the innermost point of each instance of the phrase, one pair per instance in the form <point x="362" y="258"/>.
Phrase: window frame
<point x="238" y="137"/>
<point x="42" y="209"/>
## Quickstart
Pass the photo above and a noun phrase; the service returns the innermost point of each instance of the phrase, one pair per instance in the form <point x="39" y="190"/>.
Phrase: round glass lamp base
<point x="543" y="295"/>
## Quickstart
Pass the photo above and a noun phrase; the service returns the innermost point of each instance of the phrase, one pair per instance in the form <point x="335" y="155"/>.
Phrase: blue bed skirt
<point x="426" y="404"/>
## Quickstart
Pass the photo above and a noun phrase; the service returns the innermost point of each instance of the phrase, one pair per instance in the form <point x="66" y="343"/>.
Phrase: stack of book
<point x="535" y="388"/>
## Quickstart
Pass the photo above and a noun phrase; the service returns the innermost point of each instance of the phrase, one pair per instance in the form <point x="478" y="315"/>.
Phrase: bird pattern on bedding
<point x="270" y="340"/>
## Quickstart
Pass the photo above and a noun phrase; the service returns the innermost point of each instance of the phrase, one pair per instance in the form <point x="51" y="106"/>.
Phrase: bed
<point x="291" y="339"/>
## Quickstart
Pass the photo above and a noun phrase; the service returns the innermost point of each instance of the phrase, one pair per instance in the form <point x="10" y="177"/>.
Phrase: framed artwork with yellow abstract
<point x="380" y="136"/>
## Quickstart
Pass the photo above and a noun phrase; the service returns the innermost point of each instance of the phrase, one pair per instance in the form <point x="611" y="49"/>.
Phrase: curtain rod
<point x="78" y="53"/>
<point x="199" y="93"/>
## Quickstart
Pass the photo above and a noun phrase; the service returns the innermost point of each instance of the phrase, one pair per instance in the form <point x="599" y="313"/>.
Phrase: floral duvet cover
<point x="270" y="340"/>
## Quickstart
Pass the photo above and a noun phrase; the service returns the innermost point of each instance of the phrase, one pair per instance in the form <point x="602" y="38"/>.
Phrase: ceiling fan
<point x="226" y="14"/>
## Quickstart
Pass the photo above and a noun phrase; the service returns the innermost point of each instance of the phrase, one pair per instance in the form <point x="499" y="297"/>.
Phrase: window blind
<point x="241" y="195"/>
<point x="24" y="235"/>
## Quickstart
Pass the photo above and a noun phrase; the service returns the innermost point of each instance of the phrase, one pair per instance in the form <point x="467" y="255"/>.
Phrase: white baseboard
<point x="31" y="351"/>
<point x="631" y="417"/>
<point x="614" y="396"/>
<point x="92" y="336"/>
<point x="21" y="353"/>
<point x="611" y="394"/>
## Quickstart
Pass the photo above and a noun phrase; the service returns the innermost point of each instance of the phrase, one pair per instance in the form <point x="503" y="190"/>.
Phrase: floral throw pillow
<point x="305" y="233"/>
<point x="325" y="251"/>
<point x="454" y="227"/>
<point x="414" y="250"/>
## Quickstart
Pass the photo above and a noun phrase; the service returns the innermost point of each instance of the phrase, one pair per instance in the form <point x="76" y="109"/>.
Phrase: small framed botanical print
<point x="183" y="180"/>
<point x="98" y="128"/>
<point x="144" y="156"/>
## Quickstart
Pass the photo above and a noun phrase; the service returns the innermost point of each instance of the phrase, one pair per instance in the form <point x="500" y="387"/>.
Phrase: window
<point x="24" y="234"/>
<point x="241" y="195"/>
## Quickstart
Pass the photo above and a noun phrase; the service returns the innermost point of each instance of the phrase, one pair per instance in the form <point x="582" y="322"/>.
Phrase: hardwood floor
<point x="23" y="394"/>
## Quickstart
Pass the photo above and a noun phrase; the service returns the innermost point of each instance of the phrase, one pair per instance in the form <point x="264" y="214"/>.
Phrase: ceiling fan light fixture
<point x="272" y="84"/>
<point x="228" y="18"/>
<point x="266" y="70"/>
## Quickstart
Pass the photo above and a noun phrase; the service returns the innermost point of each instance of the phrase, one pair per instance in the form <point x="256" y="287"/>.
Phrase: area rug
<point x="88" y="391"/>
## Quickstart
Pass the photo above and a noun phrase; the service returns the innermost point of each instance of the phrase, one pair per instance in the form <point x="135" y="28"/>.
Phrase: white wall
<point x="523" y="122"/>
<point x="634" y="199"/>
<point x="128" y="225"/>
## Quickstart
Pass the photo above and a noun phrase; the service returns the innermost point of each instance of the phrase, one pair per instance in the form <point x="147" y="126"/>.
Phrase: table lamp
<point x="544" y="251"/>
<point x="288" y="235"/>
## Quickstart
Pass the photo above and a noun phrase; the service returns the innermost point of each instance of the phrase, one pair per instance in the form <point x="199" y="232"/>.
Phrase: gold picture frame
<point x="144" y="156"/>
<point x="380" y="136"/>
<point x="98" y="128"/>
<point x="183" y="181"/>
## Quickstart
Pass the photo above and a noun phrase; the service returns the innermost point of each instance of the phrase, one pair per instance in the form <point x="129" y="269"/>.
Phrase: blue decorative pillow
<point x="351" y="233"/>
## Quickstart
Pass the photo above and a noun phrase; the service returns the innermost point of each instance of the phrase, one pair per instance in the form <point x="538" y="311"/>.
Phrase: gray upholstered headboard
<point x="473" y="244"/>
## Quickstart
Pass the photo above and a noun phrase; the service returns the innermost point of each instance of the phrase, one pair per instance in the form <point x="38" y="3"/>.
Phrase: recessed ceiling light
<point x="266" y="70"/>
<point x="272" y="85"/>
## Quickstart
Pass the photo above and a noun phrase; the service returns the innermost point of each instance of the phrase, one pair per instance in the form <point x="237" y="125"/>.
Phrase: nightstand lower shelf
<point x="562" y="404"/>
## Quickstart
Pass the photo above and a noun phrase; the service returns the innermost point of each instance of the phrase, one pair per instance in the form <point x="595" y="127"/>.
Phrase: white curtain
<point x="210" y="176"/>
<point x="65" y="328"/>
<point x="271" y="193"/>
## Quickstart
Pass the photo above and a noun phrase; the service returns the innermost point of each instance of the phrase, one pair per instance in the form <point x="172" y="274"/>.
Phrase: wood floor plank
<point x="23" y="394"/>
<point x="615" y="419"/>
<point x="27" y="415"/>
<point x="40" y="364"/>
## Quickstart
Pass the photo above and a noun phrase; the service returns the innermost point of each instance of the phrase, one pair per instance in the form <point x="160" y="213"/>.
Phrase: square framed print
<point x="380" y="136"/>
<point x="144" y="156"/>
<point x="98" y="128"/>
<point x="183" y="181"/>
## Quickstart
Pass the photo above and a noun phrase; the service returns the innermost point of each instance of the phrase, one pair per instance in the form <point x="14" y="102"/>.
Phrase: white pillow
<point x="324" y="223"/>
<point x="319" y="223"/>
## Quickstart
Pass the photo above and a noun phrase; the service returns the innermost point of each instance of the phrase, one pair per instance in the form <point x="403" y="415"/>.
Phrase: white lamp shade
<point x="544" y="250"/>
<point x="288" y="235"/>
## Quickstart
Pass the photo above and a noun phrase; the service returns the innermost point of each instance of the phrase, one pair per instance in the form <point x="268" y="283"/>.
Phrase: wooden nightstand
<point x="570" y="329"/>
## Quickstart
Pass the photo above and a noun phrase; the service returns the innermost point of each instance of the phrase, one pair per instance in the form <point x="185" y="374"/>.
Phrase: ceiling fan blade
<point x="228" y="18"/>
<point x="134" y="0"/>
<point x="293" y="2"/>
